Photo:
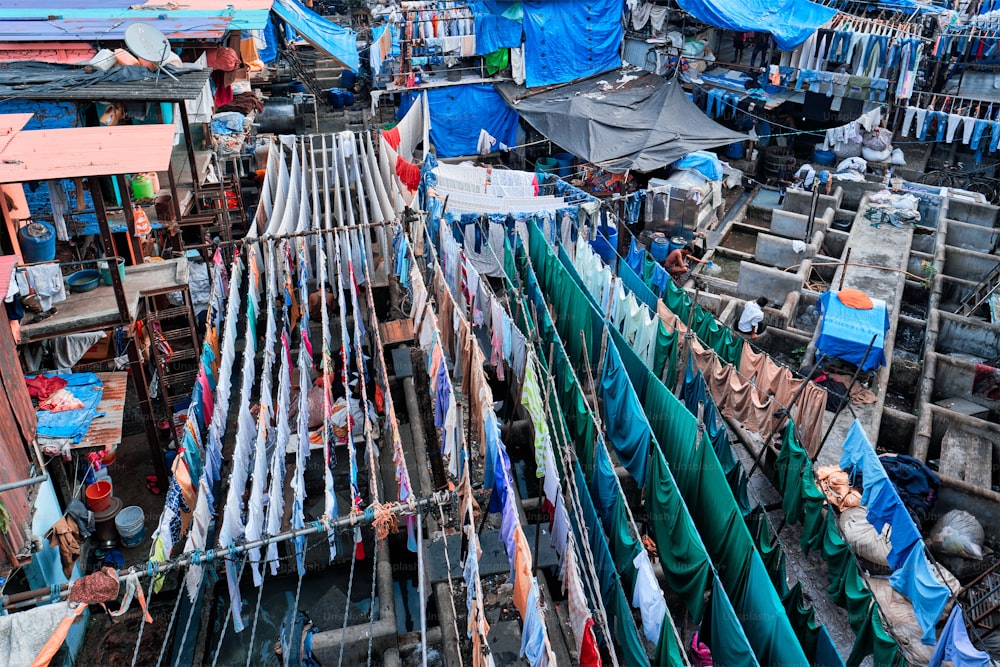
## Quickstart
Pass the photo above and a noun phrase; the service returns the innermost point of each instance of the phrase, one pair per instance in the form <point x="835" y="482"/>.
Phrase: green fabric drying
<point x="722" y="631"/>
<point x="619" y="612"/>
<point x="668" y="652"/>
<point x="685" y="562"/>
<point x="497" y="61"/>
<point x="802" y="499"/>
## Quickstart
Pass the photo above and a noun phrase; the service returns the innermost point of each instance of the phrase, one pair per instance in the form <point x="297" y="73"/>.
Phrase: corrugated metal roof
<point x="163" y="89"/>
<point x="111" y="26"/>
<point x="37" y="155"/>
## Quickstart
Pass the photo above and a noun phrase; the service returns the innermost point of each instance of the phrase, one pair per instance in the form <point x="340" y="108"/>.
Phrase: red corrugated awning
<point x="39" y="155"/>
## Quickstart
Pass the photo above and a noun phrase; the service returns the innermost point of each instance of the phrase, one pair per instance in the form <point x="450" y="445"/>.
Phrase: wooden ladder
<point x="981" y="294"/>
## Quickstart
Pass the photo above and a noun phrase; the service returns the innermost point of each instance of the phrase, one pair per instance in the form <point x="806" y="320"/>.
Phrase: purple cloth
<point x="442" y="395"/>
<point x="955" y="646"/>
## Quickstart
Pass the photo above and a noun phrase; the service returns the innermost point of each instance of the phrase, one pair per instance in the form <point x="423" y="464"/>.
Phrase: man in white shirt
<point x="752" y="319"/>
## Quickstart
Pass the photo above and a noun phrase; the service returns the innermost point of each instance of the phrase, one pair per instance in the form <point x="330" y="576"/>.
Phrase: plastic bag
<point x="958" y="533"/>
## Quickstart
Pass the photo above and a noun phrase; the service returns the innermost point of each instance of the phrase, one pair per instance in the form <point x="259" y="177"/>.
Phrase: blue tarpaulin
<point x="565" y="41"/>
<point x="73" y="424"/>
<point x="789" y="21"/>
<point x="328" y="37"/>
<point x="845" y="332"/>
<point x="458" y="113"/>
<point x="494" y="31"/>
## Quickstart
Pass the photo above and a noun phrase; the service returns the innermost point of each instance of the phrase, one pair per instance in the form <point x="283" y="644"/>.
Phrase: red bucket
<point x="98" y="495"/>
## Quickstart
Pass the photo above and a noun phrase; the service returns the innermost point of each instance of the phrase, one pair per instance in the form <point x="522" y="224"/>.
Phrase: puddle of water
<point x="741" y="241"/>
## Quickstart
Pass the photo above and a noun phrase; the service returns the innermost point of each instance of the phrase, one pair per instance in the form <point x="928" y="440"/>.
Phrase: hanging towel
<point x="47" y="281"/>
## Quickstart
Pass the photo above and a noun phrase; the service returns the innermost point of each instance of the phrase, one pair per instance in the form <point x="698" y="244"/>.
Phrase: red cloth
<point x="408" y="173"/>
<point x="222" y="58"/>
<point x="589" y="655"/>
<point x="391" y="137"/>
<point x="43" y="386"/>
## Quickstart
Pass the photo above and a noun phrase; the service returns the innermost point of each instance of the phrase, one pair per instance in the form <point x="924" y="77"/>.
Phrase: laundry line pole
<point x="153" y="568"/>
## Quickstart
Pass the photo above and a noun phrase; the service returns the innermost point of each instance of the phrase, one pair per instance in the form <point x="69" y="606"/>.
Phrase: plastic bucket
<point x="106" y="273"/>
<point x="38" y="242"/>
<point x="735" y="151"/>
<point x="823" y="157"/>
<point x="659" y="248"/>
<point x="606" y="243"/>
<point x="348" y="79"/>
<point x="131" y="525"/>
<point x="564" y="162"/>
<point x="98" y="495"/>
<point x="546" y="165"/>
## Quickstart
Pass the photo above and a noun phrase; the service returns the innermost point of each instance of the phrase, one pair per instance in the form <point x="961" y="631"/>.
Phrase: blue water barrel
<point x="823" y="157"/>
<point x="38" y="242"/>
<point x="659" y="248"/>
<point x="608" y="248"/>
<point x="348" y="79"/>
<point x="676" y="243"/>
<point x="335" y="96"/>
<point x="546" y="165"/>
<point x="735" y="151"/>
<point x="565" y="164"/>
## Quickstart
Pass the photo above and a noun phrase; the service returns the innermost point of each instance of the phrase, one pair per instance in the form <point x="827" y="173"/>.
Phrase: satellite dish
<point x="149" y="44"/>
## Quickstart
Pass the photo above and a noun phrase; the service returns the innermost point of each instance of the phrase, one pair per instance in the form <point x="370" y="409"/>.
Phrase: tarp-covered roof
<point x="789" y="21"/>
<point x="330" y="38"/>
<point x="44" y="81"/>
<point x="620" y="121"/>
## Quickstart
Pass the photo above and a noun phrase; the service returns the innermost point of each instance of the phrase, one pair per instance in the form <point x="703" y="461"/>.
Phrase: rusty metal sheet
<point x="106" y="431"/>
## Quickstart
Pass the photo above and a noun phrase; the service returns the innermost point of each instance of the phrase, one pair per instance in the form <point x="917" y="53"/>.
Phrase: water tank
<point x="38" y="242"/>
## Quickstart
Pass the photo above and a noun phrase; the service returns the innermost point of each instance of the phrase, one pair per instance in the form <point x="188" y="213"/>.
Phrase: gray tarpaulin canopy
<point x="620" y="121"/>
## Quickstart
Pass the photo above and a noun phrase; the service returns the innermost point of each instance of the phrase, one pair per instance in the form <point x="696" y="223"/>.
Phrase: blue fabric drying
<point x="632" y="280"/>
<point x="628" y="430"/>
<point x="73" y="424"/>
<point x="846" y="332"/>
<point x="565" y="41"/>
<point x="458" y="113"/>
<point x="533" y="634"/>
<point x="636" y="257"/>
<point x="880" y="496"/>
<point x="791" y="22"/>
<point x="494" y="31"/>
<point x="928" y="595"/>
<point x="603" y="486"/>
<point x="704" y="162"/>
<point x="328" y="37"/>
<point x="955" y="646"/>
